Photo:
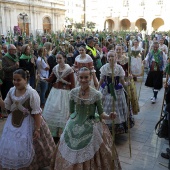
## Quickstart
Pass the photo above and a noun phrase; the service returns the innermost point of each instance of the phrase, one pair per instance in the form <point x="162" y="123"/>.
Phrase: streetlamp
<point x="22" y="16"/>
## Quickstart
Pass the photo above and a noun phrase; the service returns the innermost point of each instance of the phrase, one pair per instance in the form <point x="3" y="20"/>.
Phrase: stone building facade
<point x="32" y="16"/>
<point x="148" y="15"/>
<point x="138" y="15"/>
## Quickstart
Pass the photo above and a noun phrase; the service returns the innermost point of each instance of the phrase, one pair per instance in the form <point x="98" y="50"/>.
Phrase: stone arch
<point x="125" y="24"/>
<point x="141" y="24"/>
<point x="23" y="23"/>
<point x="157" y="23"/>
<point x="109" y="25"/>
<point x="47" y="24"/>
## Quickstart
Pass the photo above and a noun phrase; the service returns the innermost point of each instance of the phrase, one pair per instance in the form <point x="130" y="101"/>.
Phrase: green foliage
<point x="91" y="25"/>
<point x="78" y="25"/>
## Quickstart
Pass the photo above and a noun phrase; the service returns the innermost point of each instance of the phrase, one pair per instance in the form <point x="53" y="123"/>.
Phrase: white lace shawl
<point x="87" y="59"/>
<point x="137" y="49"/>
<point x="94" y="95"/>
<point x="12" y="102"/>
<point x="68" y="70"/>
<point x="105" y="70"/>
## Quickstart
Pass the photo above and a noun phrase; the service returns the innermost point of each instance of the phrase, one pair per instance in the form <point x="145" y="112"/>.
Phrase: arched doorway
<point x="141" y="24"/>
<point x="157" y="23"/>
<point x="109" y="25"/>
<point x="23" y="23"/>
<point x="125" y="24"/>
<point x="47" y="25"/>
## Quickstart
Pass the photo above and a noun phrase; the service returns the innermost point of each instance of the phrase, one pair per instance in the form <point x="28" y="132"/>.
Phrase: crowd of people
<point x="70" y="95"/>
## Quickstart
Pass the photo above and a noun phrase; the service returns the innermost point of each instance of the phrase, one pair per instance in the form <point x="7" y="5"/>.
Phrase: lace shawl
<point x="107" y="71"/>
<point x="88" y="59"/>
<point x="68" y="70"/>
<point x="94" y="95"/>
<point x="136" y="49"/>
<point x="12" y="102"/>
<point x="123" y="60"/>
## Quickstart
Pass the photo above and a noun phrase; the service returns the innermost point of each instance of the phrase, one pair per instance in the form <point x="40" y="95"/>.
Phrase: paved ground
<point x="146" y="146"/>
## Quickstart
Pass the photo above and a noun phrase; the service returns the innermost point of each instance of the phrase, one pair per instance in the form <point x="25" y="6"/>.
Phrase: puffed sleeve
<point x="35" y="102"/>
<point x="8" y="100"/>
<point x="72" y="102"/>
<point x="99" y="103"/>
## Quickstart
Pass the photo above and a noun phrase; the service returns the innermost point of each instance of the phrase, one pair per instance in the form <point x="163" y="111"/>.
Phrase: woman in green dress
<point x="86" y="143"/>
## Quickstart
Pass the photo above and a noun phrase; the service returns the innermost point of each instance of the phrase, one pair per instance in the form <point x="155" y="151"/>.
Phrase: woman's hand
<point x="36" y="134"/>
<point x="112" y="115"/>
<point x="32" y="60"/>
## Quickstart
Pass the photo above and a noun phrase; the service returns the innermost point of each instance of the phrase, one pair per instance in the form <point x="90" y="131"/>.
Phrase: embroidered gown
<point x="18" y="149"/>
<point x="120" y="104"/>
<point x="86" y="62"/>
<point x="56" y="109"/>
<point x="86" y="142"/>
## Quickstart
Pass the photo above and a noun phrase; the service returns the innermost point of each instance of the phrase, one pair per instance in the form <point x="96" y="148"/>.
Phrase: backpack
<point x="161" y="127"/>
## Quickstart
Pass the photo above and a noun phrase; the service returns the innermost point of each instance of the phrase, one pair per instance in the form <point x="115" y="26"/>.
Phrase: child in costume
<point x="86" y="142"/>
<point x="26" y="142"/>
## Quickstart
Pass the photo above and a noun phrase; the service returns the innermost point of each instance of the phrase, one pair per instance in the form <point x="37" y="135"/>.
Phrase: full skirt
<point x="56" y="110"/>
<point x="102" y="160"/>
<point x="20" y="151"/>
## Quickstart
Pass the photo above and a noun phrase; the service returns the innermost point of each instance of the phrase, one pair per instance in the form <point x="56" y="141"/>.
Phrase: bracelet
<point x="37" y="130"/>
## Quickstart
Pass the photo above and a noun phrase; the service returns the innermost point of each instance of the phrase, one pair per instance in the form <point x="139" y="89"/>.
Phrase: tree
<point x="78" y="25"/>
<point x="90" y="25"/>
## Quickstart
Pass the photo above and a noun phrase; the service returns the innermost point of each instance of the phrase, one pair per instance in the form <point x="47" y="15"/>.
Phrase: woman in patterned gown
<point x="120" y="103"/>
<point x="86" y="142"/>
<point x="26" y="142"/>
<point x="84" y="60"/>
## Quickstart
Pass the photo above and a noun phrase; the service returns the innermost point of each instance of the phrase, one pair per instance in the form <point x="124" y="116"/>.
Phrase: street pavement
<point x="146" y="146"/>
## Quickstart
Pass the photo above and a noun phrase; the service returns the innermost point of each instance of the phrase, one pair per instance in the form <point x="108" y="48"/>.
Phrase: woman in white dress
<point x="26" y="142"/>
<point x="136" y="60"/>
<point x="56" y="110"/>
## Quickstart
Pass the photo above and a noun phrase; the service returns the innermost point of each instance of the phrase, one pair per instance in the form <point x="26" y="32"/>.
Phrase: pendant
<point x="83" y="93"/>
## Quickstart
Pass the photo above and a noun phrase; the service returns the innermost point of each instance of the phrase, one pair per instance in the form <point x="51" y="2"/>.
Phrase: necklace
<point x="62" y="67"/>
<point x="83" y="92"/>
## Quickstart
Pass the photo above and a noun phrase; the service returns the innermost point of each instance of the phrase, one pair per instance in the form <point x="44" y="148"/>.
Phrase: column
<point x="149" y="28"/>
<point x="55" y="22"/>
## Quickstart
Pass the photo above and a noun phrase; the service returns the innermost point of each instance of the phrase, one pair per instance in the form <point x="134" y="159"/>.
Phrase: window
<point x="159" y="2"/>
<point x="125" y="3"/>
<point x="142" y="3"/>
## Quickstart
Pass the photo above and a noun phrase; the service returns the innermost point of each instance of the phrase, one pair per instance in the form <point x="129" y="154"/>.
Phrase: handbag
<point x="161" y="128"/>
